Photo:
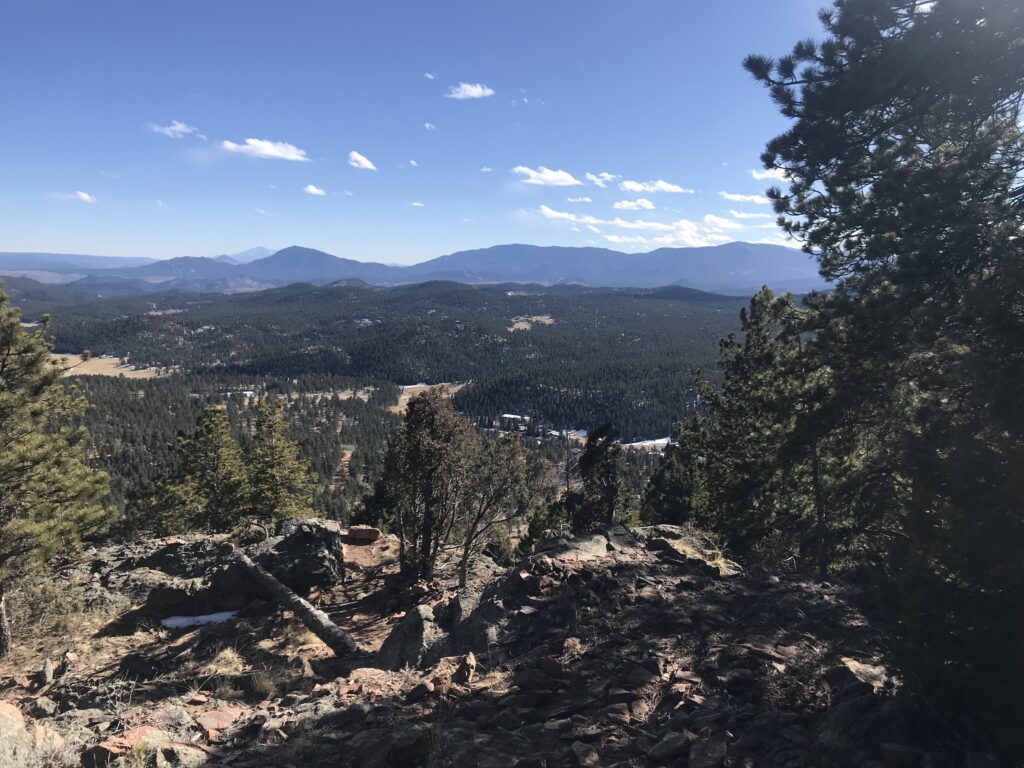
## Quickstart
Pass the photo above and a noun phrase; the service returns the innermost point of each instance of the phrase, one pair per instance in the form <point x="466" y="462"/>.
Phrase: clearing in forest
<point x="105" y="366"/>
<point x="527" y="323"/>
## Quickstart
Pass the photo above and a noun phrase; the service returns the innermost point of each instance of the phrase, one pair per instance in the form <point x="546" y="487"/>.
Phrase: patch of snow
<point x="184" y="622"/>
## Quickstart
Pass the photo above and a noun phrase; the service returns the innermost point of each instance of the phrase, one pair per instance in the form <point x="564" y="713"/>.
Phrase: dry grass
<point x="227" y="662"/>
<point x="104" y="366"/>
<point x="700" y="546"/>
<point x="527" y="323"/>
<point x="53" y="755"/>
<point x="263" y="684"/>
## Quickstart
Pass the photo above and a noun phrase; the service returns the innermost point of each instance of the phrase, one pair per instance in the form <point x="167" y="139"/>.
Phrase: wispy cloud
<point x="778" y="174"/>
<point x="176" y="130"/>
<point x="721" y="223"/>
<point x="469" y="91"/>
<point x="652" y="186"/>
<point x="357" y="160"/>
<point x="428" y="75"/>
<point x="416" y="204"/>
<point x="430" y="126"/>
<point x="161" y="205"/>
<point x="268" y="150"/>
<point x="312" y="189"/>
<point x="602" y="179"/>
<point x="580" y="200"/>
<point x="640" y="204"/>
<point x="79" y="196"/>
<point x="648" y="233"/>
<point x="414" y="164"/>
<point x="486" y="169"/>
<point x="737" y="198"/>
<point x="262" y="212"/>
<point x="745" y="215"/>
<point x="545" y="177"/>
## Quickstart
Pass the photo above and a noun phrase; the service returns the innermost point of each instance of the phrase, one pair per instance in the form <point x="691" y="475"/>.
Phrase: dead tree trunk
<point x="316" y="620"/>
<point x="6" y="643"/>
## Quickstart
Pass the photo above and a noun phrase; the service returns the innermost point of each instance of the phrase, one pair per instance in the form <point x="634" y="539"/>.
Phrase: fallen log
<point x="316" y="620"/>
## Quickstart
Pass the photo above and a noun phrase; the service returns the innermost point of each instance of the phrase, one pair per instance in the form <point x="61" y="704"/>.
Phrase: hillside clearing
<point x="104" y="366"/>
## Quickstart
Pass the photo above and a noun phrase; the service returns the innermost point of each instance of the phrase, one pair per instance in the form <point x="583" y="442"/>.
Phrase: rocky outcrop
<point x="644" y="648"/>
<point x="304" y="554"/>
<point x="416" y="641"/>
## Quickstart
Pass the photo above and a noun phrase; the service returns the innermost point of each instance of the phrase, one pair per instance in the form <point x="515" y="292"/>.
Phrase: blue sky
<point x="198" y="128"/>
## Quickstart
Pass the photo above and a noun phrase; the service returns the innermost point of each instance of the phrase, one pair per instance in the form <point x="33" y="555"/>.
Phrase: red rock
<point x="218" y="719"/>
<point x="364" y="534"/>
<point x="109" y="750"/>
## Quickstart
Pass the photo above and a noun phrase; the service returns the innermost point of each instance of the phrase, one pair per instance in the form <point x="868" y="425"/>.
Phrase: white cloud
<point x="161" y="205"/>
<point x="736" y="198"/>
<point x="430" y="126"/>
<point x="176" y="130"/>
<point x="594" y="229"/>
<point x="680" y="233"/>
<point x="550" y="213"/>
<point x="312" y="189"/>
<point x="357" y="160"/>
<point x="652" y="186"/>
<point x="580" y="200"/>
<point x="627" y="239"/>
<point x="745" y="215"/>
<point x="641" y="203"/>
<point x="770" y="173"/>
<point x="469" y="91"/>
<point x="721" y="223"/>
<point x="545" y="177"/>
<point x="486" y="169"/>
<point x="80" y="196"/>
<point x="601" y="179"/>
<point x="262" y="212"/>
<point x="428" y="75"/>
<point x="414" y="164"/>
<point x="416" y="204"/>
<point x="270" y="150"/>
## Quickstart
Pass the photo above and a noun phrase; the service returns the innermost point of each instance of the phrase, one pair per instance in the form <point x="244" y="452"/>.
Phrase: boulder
<point x="16" y="744"/>
<point x="417" y="640"/>
<point x="582" y="548"/>
<point x="672" y="746"/>
<point x="364" y="534"/>
<point x="43" y="706"/>
<point x="304" y="554"/>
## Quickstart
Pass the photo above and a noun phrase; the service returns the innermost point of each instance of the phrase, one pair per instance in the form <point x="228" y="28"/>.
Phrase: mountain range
<point x="736" y="268"/>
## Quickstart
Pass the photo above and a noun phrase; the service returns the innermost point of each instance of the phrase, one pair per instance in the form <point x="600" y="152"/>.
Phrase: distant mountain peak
<point x="735" y="269"/>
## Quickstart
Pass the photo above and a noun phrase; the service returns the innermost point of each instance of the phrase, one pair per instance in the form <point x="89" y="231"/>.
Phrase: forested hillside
<point x="627" y="357"/>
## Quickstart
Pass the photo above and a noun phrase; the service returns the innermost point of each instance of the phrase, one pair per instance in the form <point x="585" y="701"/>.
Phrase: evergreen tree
<point x="905" y="162"/>
<point x="49" y="497"/>
<point x="280" y="484"/>
<point x="497" y="495"/>
<point x="678" y="493"/>
<point x="601" y="467"/>
<point x="427" y="471"/>
<point x="209" y="489"/>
